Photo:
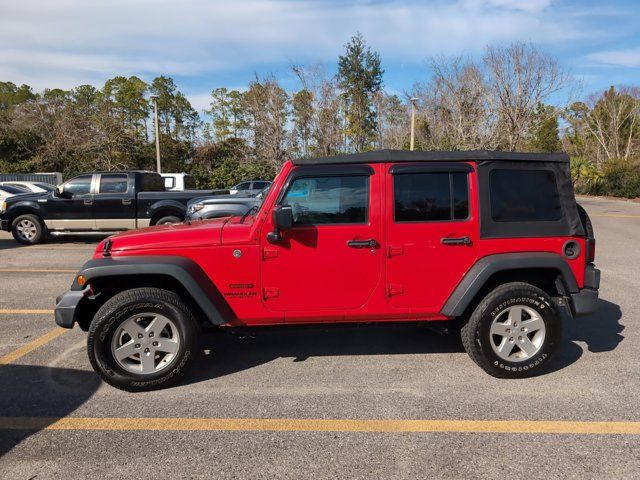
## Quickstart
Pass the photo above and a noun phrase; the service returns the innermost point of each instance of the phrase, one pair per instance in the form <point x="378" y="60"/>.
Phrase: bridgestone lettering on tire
<point x="514" y="331"/>
<point x="142" y="339"/>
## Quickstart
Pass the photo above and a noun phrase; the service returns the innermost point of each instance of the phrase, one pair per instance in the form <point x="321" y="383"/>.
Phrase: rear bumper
<point x="586" y="300"/>
<point x="66" y="306"/>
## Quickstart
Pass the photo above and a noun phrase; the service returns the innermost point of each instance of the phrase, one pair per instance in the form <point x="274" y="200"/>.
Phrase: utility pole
<point x="413" y="101"/>
<point x="155" y="106"/>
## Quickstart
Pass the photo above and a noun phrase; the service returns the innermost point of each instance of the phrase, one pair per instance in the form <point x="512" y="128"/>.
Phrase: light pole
<point x="155" y="107"/>
<point x="413" y="101"/>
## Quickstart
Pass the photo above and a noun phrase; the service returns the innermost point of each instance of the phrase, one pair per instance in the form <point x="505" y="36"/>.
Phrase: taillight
<point x="591" y="250"/>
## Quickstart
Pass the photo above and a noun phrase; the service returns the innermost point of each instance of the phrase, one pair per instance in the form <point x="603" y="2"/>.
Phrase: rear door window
<point x="113" y="183"/>
<point x="524" y="196"/>
<point x="430" y="197"/>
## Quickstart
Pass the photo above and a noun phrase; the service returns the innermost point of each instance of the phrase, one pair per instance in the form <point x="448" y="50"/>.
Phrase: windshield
<point x="14" y="190"/>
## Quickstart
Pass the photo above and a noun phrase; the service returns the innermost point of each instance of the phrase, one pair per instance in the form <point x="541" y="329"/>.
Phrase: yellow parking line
<point x="38" y="342"/>
<point x="36" y="270"/>
<point x="26" y="312"/>
<point x="613" y="215"/>
<point x="321" y="425"/>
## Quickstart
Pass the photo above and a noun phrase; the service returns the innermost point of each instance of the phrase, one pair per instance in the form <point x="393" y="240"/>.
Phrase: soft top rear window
<point x="519" y="195"/>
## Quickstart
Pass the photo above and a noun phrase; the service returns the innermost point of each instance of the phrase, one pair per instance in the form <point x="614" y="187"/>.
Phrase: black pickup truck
<point x="94" y="203"/>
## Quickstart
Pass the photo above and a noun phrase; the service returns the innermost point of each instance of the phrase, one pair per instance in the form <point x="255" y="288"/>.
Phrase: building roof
<point x="382" y="156"/>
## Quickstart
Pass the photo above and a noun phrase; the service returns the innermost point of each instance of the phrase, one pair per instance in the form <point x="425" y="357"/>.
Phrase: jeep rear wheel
<point x="142" y="339"/>
<point x="513" y="332"/>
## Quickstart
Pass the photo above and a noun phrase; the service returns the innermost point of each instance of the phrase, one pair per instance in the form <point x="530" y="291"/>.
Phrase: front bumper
<point x="4" y="224"/>
<point x="586" y="300"/>
<point x="67" y="305"/>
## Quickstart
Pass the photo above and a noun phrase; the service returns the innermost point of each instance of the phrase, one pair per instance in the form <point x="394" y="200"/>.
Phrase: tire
<point x="134" y="311"/>
<point x="514" y="331"/>
<point x="28" y="229"/>
<point x="169" y="219"/>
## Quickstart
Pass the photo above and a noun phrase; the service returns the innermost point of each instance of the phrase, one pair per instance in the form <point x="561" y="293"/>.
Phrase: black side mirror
<point x="282" y="220"/>
<point x="61" y="193"/>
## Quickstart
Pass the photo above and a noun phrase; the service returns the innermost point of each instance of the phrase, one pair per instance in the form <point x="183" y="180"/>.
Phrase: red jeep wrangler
<point x="493" y="240"/>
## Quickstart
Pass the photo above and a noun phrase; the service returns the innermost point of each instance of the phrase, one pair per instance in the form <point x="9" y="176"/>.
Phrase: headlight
<point x="197" y="207"/>
<point x="3" y="207"/>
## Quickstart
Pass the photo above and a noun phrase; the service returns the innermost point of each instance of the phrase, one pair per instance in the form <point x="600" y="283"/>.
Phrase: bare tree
<point x="520" y="77"/>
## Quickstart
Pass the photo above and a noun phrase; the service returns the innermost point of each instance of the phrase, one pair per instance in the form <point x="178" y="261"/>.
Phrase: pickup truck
<point x="98" y="202"/>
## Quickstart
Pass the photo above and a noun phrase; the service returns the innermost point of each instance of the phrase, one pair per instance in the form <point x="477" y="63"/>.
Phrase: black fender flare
<point x="24" y="207"/>
<point x="487" y="266"/>
<point x="184" y="270"/>
<point x="163" y="208"/>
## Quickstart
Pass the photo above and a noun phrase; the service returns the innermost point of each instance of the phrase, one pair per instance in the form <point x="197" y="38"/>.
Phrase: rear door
<point x="114" y="202"/>
<point x="331" y="259"/>
<point x="431" y="233"/>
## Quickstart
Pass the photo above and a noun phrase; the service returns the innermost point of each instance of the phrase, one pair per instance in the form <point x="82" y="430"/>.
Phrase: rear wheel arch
<point x="547" y="271"/>
<point x="166" y="212"/>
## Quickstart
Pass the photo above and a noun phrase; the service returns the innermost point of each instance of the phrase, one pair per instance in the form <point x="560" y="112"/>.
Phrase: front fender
<point x="184" y="270"/>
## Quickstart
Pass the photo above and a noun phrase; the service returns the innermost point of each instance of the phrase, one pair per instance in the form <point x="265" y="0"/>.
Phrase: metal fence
<point x="54" y="178"/>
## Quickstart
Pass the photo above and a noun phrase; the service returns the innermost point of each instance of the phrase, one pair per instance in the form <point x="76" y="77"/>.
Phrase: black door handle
<point x="455" y="241"/>
<point x="371" y="243"/>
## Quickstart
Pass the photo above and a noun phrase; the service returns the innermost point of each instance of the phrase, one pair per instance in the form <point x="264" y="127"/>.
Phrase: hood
<point x="180" y="235"/>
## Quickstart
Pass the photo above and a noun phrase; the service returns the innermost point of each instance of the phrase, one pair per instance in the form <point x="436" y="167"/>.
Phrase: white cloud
<point x="622" y="58"/>
<point x="68" y="42"/>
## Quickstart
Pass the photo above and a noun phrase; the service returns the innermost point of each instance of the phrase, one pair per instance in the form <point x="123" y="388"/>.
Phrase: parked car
<point x="178" y="181"/>
<point x="7" y="191"/>
<point x="249" y="187"/>
<point x="96" y="202"/>
<point x="34" y="187"/>
<point x="491" y="240"/>
<point x="218" y="206"/>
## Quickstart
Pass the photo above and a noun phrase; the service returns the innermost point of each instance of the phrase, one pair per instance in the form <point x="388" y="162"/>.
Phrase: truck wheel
<point x="513" y="332"/>
<point x="28" y="229"/>
<point x="168" y="220"/>
<point x="142" y="339"/>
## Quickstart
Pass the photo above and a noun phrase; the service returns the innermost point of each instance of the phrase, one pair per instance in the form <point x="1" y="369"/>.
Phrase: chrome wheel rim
<point x="145" y="343"/>
<point x="26" y="229"/>
<point x="517" y="333"/>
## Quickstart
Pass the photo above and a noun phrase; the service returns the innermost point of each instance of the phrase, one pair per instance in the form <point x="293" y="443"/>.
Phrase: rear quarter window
<point x="524" y="196"/>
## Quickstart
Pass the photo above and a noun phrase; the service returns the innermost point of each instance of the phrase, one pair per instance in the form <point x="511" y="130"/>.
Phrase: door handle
<point x="126" y="201"/>
<point x="370" y="243"/>
<point x="88" y="201"/>
<point x="455" y="241"/>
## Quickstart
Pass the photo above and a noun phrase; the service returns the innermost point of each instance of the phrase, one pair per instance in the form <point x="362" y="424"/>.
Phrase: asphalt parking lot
<point x="354" y="403"/>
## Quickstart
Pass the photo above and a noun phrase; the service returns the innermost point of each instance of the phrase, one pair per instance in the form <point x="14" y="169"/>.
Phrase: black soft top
<point x="382" y="156"/>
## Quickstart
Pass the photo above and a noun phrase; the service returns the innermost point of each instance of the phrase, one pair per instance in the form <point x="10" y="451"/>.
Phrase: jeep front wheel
<point x="513" y="332"/>
<point x="142" y="339"/>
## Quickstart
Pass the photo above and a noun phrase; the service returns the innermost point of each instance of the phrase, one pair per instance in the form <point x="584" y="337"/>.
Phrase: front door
<point x="114" y="202"/>
<point x="73" y="209"/>
<point x="431" y="234"/>
<point x="331" y="259"/>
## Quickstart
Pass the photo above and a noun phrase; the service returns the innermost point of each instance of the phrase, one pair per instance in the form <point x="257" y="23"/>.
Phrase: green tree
<point x="545" y="136"/>
<point x="302" y="110"/>
<point x="360" y="78"/>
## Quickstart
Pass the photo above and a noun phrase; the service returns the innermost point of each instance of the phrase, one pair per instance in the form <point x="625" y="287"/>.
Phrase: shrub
<point x="621" y="178"/>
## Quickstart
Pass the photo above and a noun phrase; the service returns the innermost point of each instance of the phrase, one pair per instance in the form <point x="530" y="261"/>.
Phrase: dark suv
<point x="493" y="242"/>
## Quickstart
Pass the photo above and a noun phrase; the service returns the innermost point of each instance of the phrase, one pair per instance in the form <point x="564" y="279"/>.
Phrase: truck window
<point x="78" y="186"/>
<point x="113" y="183"/>
<point x="260" y="185"/>
<point x="169" y="182"/>
<point x="151" y="182"/>
<point x="244" y="186"/>
<point x="328" y="200"/>
<point x="524" y="196"/>
<point x="430" y="197"/>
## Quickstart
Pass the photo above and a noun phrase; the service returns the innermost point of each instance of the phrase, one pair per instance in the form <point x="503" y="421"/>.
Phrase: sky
<point x="205" y="44"/>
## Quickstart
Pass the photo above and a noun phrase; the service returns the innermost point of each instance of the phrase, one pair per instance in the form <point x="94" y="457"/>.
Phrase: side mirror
<point x="282" y="220"/>
<point x="61" y="193"/>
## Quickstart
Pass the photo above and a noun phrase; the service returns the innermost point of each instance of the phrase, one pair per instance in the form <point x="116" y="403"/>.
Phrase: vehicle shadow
<point x="41" y="395"/>
<point x="234" y="353"/>
<point x="600" y="331"/>
<point x="228" y="353"/>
